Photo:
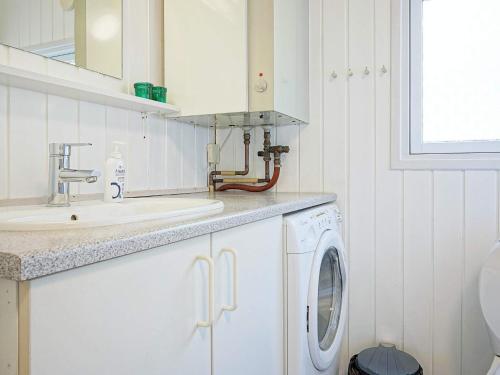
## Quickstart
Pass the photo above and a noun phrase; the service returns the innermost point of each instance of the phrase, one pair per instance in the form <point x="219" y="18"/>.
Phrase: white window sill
<point x="445" y="161"/>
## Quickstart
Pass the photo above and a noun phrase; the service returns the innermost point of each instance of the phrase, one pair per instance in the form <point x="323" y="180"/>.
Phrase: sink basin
<point x="97" y="214"/>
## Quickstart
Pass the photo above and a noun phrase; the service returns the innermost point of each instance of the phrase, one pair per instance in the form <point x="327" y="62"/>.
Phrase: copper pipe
<point x="213" y="181"/>
<point x="266" y="152"/>
<point x="240" y="180"/>
<point x="242" y="183"/>
<point x="255" y="189"/>
<point x="246" y="141"/>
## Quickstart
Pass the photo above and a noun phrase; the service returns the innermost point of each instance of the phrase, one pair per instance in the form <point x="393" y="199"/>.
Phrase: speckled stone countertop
<point x="28" y="255"/>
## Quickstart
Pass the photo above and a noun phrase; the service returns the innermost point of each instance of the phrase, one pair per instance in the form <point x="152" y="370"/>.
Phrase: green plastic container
<point x="159" y="94"/>
<point x="143" y="90"/>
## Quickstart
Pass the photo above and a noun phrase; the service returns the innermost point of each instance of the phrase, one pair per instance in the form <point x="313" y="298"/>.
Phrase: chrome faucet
<point x="60" y="173"/>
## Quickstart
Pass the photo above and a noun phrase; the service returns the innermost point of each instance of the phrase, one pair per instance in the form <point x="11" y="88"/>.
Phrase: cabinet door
<point x="249" y="340"/>
<point x="132" y="315"/>
<point x="206" y="55"/>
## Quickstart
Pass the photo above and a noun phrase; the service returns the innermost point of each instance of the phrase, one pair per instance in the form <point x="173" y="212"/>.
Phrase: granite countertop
<point x="28" y="255"/>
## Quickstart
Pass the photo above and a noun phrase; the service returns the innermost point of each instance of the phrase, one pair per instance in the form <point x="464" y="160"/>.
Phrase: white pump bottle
<point x="114" y="180"/>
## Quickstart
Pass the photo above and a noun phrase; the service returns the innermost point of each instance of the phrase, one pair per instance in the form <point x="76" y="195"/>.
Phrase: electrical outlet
<point x="213" y="153"/>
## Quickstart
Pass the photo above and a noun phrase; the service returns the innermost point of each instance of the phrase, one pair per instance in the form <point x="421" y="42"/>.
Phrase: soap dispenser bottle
<point x="114" y="180"/>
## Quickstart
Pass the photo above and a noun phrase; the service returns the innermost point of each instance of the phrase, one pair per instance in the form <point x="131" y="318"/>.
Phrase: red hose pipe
<point x="255" y="189"/>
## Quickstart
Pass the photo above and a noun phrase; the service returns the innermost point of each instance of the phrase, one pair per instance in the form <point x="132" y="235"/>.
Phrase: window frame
<point x="408" y="149"/>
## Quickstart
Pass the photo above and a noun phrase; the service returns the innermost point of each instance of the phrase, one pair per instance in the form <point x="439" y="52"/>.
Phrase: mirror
<point x="85" y="33"/>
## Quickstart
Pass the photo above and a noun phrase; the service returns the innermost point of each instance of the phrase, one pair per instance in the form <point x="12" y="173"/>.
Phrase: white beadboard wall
<point x="416" y="239"/>
<point x="160" y="154"/>
<point x="29" y="23"/>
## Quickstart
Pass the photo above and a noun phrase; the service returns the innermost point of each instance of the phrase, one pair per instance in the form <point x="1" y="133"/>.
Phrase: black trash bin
<point x="384" y="360"/>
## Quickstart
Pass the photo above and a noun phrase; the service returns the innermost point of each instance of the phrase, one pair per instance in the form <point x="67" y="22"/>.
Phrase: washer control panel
<point x="304" y="228"/>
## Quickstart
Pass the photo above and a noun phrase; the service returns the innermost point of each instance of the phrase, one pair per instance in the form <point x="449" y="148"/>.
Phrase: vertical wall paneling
<point x="361" y="178"/>
<point x="116" y="128"/>
<point x="62" y="126"/>
<point x="24" y="32"/>
<point x="481" y="230"/>
<point x="389" y="199"/>
<point x="311" y="136"/>
<point x="62" y="116"/>
<point x="92" y="128"/>
<point x="418" y="266"/>
<point x="174" y="148"/>
<point x="3" y="142"/>
<point x="27" y="144"/>
<point x="335" y="132"/>
<point x="239" y="156"/>
<point x="68" y="24"/>
<point x="46" y="15"/>
<point x="57" y="21"/>
<point x="227" y="139"/>
<point x="335" y="99"/>
<point x="202" y="140"/>
<point x="156" y="131"/>
<point x="289" y="136"/>
<point x="35" y="21"/>
<point x="137" y="144"/>
<point x="189" y="157"/>
<point x="448" y="271"/>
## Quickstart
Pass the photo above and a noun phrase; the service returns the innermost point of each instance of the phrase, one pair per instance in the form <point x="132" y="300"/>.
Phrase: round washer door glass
<point x="329" y="298"/>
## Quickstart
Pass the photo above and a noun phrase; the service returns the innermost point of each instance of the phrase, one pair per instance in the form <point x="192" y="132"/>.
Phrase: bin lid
<point x="387" y="360"/>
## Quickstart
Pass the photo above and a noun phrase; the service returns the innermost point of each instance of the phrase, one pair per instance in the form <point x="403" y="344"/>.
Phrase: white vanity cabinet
<point x="150" y="312"/>
<point x="132" y="315"/>
<point x="249" y="340"/>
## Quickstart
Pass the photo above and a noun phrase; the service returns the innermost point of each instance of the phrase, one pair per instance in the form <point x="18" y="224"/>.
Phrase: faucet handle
<point x="64" y="149"/>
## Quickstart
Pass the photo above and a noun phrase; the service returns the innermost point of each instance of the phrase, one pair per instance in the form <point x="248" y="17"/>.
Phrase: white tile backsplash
<point x="160" y="154"/>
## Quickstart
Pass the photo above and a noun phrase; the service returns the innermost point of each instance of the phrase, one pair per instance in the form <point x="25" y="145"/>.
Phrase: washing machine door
<point x="327" y="300"/>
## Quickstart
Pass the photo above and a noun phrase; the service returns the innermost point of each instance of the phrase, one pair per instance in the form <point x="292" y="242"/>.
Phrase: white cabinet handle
<point x="210" y="262"/>
<point x="234" y="305"/>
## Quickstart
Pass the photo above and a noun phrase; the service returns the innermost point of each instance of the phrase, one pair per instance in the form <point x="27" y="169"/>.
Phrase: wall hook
<point x="366" y="71"/>
<point x="349" y="72"/>
<point x="334" y="74"/>
<point x="383" y="69"/>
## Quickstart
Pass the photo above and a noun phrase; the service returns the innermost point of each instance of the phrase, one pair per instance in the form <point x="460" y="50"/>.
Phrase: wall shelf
<point x="23" y="79"/>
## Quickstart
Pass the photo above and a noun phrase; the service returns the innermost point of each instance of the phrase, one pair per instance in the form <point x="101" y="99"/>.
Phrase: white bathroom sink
<point x="97" y="214"/>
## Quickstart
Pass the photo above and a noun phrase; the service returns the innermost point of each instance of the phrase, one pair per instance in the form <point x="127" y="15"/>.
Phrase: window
<point x="454" y="76"/>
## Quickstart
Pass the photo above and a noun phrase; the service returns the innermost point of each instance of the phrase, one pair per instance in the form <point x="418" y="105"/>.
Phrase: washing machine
<point x="316" y="290"/>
